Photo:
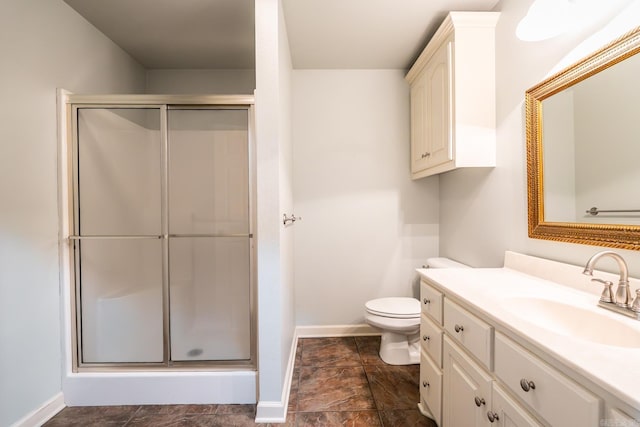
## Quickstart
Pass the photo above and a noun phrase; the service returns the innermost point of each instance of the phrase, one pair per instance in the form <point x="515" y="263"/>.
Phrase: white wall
<point x="275" y="323"/>
<point x="45" y="45"/>
<point x="184" y="81"/>
<point x="484" y="213"/>
<point x="286" y="189"/>
<point x="366" y="226"/>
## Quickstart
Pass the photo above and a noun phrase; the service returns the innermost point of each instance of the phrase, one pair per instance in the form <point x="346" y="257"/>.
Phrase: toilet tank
<point x="444" y="263"/>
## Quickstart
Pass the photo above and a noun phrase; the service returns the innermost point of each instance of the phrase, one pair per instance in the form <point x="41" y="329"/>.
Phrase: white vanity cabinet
<point x="473" y="375"/>
<point x="453" y="96"/>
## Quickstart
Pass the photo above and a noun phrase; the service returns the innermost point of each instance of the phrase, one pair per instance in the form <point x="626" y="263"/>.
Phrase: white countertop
<point x="614" y="369"/>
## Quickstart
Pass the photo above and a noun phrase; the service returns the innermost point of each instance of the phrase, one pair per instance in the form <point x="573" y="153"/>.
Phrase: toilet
<point x="399" y="320"/>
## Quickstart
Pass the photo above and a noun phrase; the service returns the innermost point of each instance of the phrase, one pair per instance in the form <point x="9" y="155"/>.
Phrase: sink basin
<point x="577" y="322"/>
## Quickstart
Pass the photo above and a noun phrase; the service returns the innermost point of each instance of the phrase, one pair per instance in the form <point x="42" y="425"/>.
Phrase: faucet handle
<point x="607" y="293"/>
<point x="636" y="302"/>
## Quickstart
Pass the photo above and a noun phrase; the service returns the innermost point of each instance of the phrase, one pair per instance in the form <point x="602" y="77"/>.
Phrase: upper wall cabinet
<point x="453" y="96"/>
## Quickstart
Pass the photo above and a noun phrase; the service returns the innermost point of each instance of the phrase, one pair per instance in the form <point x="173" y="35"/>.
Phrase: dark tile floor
<point x="336" y="382"/>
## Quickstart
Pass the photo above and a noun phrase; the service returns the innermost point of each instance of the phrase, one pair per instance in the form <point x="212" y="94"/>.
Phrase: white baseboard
<point x="336" y="331"/>
<point x="276" y="412"/>
<point x="43" y="414"/>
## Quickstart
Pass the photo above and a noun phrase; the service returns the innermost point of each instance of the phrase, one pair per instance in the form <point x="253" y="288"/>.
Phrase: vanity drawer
<point x="431" y="302"/>
<point x="472" y="333"/>
<point x="556" y="398"/>
<point x="431" y="338"/>
<point x="431" y="387"/>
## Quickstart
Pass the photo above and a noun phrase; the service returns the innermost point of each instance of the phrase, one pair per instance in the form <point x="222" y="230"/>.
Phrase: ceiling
<point x="187" y="34"/>
<point x="219" y="34"/>
<point x="365" y="33"/>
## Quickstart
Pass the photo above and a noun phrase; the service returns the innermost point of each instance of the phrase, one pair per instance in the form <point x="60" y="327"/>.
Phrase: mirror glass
<point x="583" y="150"/>
<point x="591" y="156"/>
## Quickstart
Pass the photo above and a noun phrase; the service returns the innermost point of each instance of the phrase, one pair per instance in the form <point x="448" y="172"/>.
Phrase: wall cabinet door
<point x="438" y="102"/>
<point x="466" y="389"/>
<point x="419" y="124"/>
<point x="431" y="142"/>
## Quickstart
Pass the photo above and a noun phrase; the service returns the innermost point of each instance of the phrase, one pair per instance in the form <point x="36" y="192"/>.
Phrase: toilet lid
<point x="397" y="307"/>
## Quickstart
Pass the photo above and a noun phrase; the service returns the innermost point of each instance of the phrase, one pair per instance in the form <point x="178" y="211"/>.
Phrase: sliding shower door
<point x="209" y="244"/>
<point x="162" y="235"/>
<point x="119" y="252"/>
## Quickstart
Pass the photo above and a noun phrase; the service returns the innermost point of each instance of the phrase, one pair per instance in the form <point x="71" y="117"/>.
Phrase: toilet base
<point x="400" y="349"/>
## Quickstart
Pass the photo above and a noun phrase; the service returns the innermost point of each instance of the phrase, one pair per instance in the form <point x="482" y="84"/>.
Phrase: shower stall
<point x="161" y="241"/>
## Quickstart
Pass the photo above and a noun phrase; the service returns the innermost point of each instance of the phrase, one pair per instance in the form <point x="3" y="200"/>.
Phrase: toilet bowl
<point x="399" y="320"/>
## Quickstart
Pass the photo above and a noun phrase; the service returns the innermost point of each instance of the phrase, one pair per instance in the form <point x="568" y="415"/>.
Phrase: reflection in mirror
<point x="583" y="150"/>
<point x="591" y="154"/>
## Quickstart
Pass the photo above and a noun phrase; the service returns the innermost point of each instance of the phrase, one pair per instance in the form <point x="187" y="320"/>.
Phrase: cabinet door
<point x="467" y="389"/>
<point x="507" y="413"/>
<point x="430" y="389"/>
<point x="419" y="150"/>
<point x="438" y="131"/>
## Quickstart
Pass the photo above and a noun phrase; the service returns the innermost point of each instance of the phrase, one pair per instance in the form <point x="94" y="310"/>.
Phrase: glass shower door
<point x="117" y="242"/>
<point x="209" y="234"/>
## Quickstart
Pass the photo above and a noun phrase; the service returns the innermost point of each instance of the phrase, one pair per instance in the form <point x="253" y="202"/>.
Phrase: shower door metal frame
<point x="162" y="103"/>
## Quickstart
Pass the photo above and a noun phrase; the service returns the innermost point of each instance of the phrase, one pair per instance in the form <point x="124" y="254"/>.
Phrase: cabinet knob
<point x="479" y="401"/>
<point x="426" y="338"/>
<point x="425" y="384"/>
<point x="458" y="328"/>
<point x="527" y="385"/>
<point x="426" y="301"/>
<point x="492" y="416"/>
<point x="425" y="155"/>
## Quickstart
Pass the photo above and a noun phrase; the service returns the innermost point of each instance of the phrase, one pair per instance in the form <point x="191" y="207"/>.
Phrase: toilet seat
<point x="395" y="307"/>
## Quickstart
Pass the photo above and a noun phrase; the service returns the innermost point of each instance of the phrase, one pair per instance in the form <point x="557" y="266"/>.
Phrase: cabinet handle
<point x="426" y="301"/>
<point x="479" y="401"/>
<point x="492" y="416"/>
<point x="425" y="384"/>
<point x="527" y="385"/>
<point x="426" y="338"/>
<point x="458" y="328"/>
<point x="425" y="155"/>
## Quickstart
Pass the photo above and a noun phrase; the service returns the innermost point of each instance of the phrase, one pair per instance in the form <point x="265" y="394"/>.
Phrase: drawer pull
<point x="426" y="301"/>
<point x="479" y="401"/>
<point x="492" y="416"/>
<point x="527" y="385"/>
<point x="426" y="338"/>
<point x="425" y="384"/>
<point x="458" y="328"/>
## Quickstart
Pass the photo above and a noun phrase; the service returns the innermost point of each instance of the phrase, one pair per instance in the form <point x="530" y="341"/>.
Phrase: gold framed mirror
<point x="571" y="182"/>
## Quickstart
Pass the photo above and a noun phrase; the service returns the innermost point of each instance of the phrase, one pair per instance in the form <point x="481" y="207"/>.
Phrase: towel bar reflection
<point x="595" y="211"/>
<point x="290" y="219"/>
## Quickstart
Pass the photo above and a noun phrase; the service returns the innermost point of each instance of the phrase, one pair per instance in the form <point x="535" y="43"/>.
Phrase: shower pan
<point x="161" y="232"/>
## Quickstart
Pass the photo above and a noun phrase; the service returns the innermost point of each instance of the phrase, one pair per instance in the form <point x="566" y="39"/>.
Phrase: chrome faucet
<point x="622" y="298"/>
